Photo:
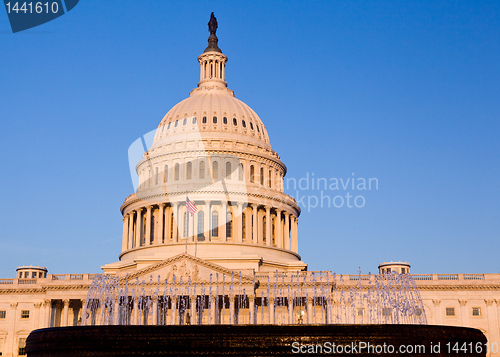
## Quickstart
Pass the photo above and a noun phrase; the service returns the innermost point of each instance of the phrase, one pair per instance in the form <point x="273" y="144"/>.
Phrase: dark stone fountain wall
<point x="251" y="340"/>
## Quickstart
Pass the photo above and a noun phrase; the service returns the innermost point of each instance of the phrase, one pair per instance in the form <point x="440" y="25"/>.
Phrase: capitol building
<point x="210" y="201"/>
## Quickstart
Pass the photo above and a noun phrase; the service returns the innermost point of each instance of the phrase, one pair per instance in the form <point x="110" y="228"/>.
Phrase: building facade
<point x="210" y="201"/>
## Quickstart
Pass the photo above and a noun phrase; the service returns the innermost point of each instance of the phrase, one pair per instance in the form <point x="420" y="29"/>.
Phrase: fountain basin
<point x="254" y="340"/>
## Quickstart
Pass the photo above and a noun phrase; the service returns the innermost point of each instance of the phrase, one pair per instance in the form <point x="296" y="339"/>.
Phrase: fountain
<point x="267" y="314"/>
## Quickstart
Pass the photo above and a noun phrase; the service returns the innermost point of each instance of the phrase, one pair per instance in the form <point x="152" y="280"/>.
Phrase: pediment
<point x="186" y="266"/>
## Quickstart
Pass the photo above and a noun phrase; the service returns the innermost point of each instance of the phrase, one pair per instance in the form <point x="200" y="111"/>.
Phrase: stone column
<point x="278" y="231"/>
<point x="271" y="310"/>
<point x="269" y="224"/>
<point x="147" y="238"/>
<point x="48" y="310"/>
<point x="223" y="219"/>
<point x="255" y="226"/>
<point x="208" y="219"/>
<point x="175" y="212"/>
<point x="38" y="314"/>
<point x="195" y="227"/>
<point x="463" y="312"/>
<point x="309" y="310"/>
<point x="287" y="231"/>
<point x="294" y="242"/>
<point x="138" y="228"/>
<point x="168" y="219"/>
<point x="125" y="232"/>
<point x="130" y="240"/>
<point x="80" y="313"/>
<point x="238" y="227"/>
<point x="159" y="230"/>
<point x="251" y="306"/>
<point x="155" y="310"/>
<point x="65" y="312"/>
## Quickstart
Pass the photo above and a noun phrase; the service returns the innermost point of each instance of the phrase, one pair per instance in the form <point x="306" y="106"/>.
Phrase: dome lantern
<point x="212" y="61"/>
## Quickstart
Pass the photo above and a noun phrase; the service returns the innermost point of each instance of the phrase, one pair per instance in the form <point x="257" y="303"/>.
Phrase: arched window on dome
<point x="229" y="225"/>
<point x="251" y="125"/>
<point x="152" y="229"/>
<point x="240" y="172"/>
<point x="243" y="123"/>
<point x="243" y="226"/>
<point x="228" y="170"/>
<point x="189" y="170"/>
<point x="262" y="176"/>
<point x="176" y="122"/>
<point x="215" y="120"/>
<point x="150" y="178"/>
<point x="184" y="121"/>
<point x="165" y="173"/>
<point x="264" y="226"/>
<point x="201" y="170"/>
<point x="201" y="226"/>
<point x="194" y="120"/>
<point x="252" y="173"/>
<point x="224" y="120"/>
<point x="204" y="120"/>
<point x="168" y="126"/>
<point x="176" y="172"/>
<point x="156" y="176"/>
<point x="215" y="170"/>
<point x="269" y="183"/>
<point x="258" y="128"/>
<point x="215" y="224"/>
<point x="235" y="122"/>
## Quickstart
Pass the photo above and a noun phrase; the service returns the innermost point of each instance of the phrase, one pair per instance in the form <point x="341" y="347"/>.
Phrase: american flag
<point x="190" y="206"/>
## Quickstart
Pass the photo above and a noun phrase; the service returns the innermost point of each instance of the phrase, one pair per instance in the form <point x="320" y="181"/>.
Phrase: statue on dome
<point x="212" y="24"/>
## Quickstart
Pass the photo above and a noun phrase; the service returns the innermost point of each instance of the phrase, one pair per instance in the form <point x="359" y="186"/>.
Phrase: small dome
<point x="213" y="110"/>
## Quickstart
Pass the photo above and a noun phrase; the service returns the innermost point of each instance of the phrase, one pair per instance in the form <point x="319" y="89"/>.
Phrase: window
<point x="202" y="170"/>
<point x="273" y="240"/>
<point x="224" y="120"/>
<point x="201" y="225"/>
<point x="168" y="126"/>
<point x="194" y="120"/>
<point x="20" y="275"/>
<point x="229" y="225"/>
<point x="264" y="228"/>
<point x="156" y="176"/>
<point x="403" y="271"/>
<point x="22" y="347"/>
<point x="189" y="170"/>
<point x="240" y="172"/>
<point x="176" y="172"/>
<point x="258" y="128"/>
<point x="184" y="121"/>
<point x="450" y="311"/>
<point x="476" y="311"/>
<point x="251" y="125"/>
<point x="215" y="224"/>
<point x="26" y="274"/>
<point x="215" y="170"/>
<point x="176" y="122"/>
<point x="361" y="311"/>
<point x="33" y="274"/>
<point x="184" y="224"/>
<point x="165" y="173"/>
<point x="235" y="122"/>
<point x="386" y="311"/>
<point x="40" y="275"/>
<point x="262" y="176"/>
<point x="3" y="314"/>
<point x="388" y="270"/>
<point x="228" y="170"/>
<point x="252" y="173"/>
<point x="243" y="123"/>
<point x="215" y="120"/>
<point x="204" y="120"/>
<point x="269" y="179"/>
<point x="25" y="314"/>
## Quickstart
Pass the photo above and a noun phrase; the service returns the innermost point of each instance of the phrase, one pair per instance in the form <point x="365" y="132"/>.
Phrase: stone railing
<point x="6" y="281"/>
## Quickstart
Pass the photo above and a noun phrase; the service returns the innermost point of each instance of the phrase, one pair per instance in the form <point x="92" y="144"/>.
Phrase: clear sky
<point x="404" y="92"/>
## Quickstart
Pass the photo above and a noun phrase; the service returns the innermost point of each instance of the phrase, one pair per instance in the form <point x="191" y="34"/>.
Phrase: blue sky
<point x="405" y="92"/>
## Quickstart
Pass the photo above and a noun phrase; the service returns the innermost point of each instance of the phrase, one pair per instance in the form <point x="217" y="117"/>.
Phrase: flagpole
<point x="187" y="226"/>
<point x="195" y="237"/>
